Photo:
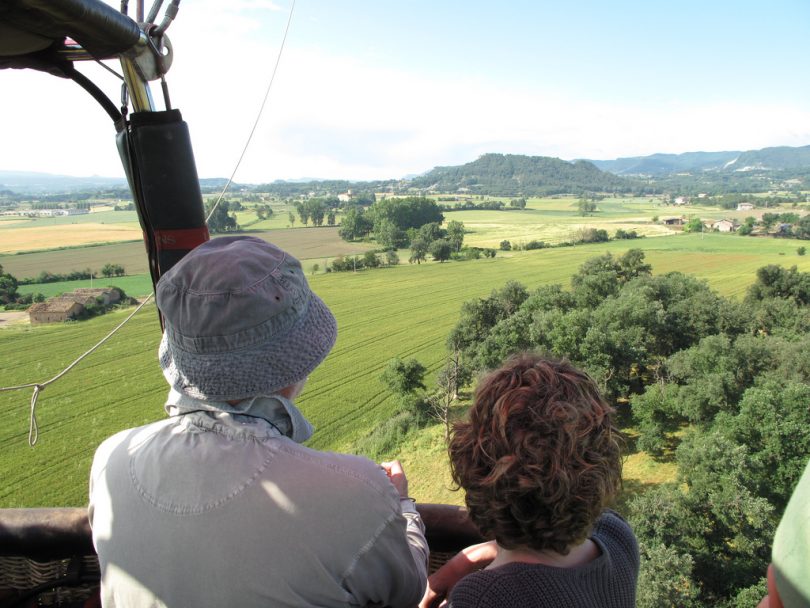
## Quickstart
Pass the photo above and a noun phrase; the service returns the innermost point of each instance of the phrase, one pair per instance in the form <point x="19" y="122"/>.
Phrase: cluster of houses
<point x="723" y="225"/>
<point x="684" y="200"/>
<point x="72" y="305"/>
<point x="46" y="212"/>
<point x="719" y="225"/>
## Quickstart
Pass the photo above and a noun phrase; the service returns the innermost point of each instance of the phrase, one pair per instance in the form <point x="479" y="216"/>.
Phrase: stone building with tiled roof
<point x="71" y="305"/>
<point x="56" y="310"/>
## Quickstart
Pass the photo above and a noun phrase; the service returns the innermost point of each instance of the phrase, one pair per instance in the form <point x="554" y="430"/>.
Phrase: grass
<point x="406" y="311"/>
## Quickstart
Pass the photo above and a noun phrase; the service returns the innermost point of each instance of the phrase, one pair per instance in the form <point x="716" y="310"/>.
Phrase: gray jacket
<point x="217" y="506"/>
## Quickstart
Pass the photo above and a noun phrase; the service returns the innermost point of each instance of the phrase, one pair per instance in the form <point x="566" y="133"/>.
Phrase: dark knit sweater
<point x="609" y="581"/>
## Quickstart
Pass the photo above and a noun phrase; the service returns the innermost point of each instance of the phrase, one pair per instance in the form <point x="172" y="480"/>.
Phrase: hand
<point x="467" y="561"/>
<point x="396" y="476"/>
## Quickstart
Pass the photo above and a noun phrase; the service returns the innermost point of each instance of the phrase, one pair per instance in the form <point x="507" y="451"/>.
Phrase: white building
<point x="723" y="226"/>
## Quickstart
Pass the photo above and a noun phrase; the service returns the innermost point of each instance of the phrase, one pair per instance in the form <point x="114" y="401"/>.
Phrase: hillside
<point x="775" y="168"/>
<point x="779" y="158"/>
<point x="513" y="174"/>
<point x="24" y="185"/>
<point x="33" y="183"/>
<point x="664" y="164"/>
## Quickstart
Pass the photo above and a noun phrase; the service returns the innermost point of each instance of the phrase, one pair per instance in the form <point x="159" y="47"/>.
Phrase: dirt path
<point x="14" y="317"/>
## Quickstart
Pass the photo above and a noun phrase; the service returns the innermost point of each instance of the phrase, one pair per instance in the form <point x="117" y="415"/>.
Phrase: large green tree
<point x="419" y="250"/>
<point x="405" y="213"/>
<point x="455" y="234"/>
<point x="404" y="377"/>
<point x="440" y="249"/>
<point x="355" y="224"/>
<point x="720" y="386"/>
<point x="221" y="220"/>
<point x="8" y="287"/>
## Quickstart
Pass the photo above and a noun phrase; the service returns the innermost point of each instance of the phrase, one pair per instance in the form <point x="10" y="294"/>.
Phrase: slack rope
<point x="33" y="427"/>
<point x="258" y="115"/>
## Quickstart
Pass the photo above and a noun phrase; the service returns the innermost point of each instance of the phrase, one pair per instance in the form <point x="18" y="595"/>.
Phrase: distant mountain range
<point x="774" y="159"/>
<point x="33" y="183"/>
<point x="513" y="174"/>
<point x="30" y="182"/>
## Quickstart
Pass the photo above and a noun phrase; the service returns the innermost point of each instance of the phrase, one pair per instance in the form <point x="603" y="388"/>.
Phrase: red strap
<point x="186" y="239"/>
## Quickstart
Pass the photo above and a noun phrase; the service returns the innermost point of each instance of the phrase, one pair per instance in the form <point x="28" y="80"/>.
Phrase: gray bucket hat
<point x="240" y="321"/>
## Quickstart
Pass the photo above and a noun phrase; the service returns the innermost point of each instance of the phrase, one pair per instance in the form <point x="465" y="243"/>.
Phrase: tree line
<point x="413" y="222"/>
<point x="718" y="386"/>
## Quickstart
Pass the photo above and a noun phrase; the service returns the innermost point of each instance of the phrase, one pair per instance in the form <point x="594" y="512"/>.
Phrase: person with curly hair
<point x="540" y="460"/>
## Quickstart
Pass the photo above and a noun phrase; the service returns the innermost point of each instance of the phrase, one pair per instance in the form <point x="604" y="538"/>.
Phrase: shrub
<point x="592" y="235"/>
<point x="534" y="245"/>
<point x="625" y="234"/>
<point x="385" y="440"/>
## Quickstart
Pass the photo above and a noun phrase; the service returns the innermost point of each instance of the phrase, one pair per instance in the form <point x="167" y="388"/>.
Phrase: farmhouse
<point x="672" y="221"/>
<point x="724" y="226"/>
<point x="71" y="305"/>
<point x="108" y="296"/>
<point x="54" y="311"/>
<point x="745" y="207"/>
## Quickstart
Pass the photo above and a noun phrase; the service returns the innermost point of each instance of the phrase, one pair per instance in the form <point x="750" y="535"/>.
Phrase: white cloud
<point x="261" y="5"/>
<point x="336" y="116"/>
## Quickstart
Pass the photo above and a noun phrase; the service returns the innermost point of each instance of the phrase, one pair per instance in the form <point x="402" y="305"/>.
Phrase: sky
<point x="377" y="89"/>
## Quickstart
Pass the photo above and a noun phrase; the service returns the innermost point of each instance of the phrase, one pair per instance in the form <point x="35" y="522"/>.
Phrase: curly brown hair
<point x="540" y="457"/>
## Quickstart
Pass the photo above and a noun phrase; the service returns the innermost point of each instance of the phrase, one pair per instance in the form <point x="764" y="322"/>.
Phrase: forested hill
<point x="665" y="164"/>
<point x="782" y="157"/>
<point x="779" y="158"/>
<point x="513" y="174"/>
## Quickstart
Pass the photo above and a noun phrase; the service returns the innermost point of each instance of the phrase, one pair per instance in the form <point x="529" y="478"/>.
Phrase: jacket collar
<point x="279" y="411"/>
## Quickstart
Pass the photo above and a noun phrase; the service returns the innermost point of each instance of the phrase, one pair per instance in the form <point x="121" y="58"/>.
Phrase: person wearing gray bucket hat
<point x="247" y="325"/>
<point x="220" y="504"/>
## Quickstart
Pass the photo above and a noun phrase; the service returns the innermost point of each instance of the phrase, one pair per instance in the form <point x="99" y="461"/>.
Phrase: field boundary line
<point x="33" y="428"/>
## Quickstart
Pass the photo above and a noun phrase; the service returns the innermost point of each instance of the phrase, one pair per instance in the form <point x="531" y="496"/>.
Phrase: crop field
<point x="554" y="220"/>
<point x="310" y="245"/>
<point x="405" y="311"/>
<point x="67" y="235"/>
<point x="131" y="255"/>
<point x="103" y="215"/>
<point x="279" y="220"/>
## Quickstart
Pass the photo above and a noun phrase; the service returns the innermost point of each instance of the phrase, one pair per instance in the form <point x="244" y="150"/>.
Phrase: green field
<point x="405" y="311"/>
<point x="133" y="285"/>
